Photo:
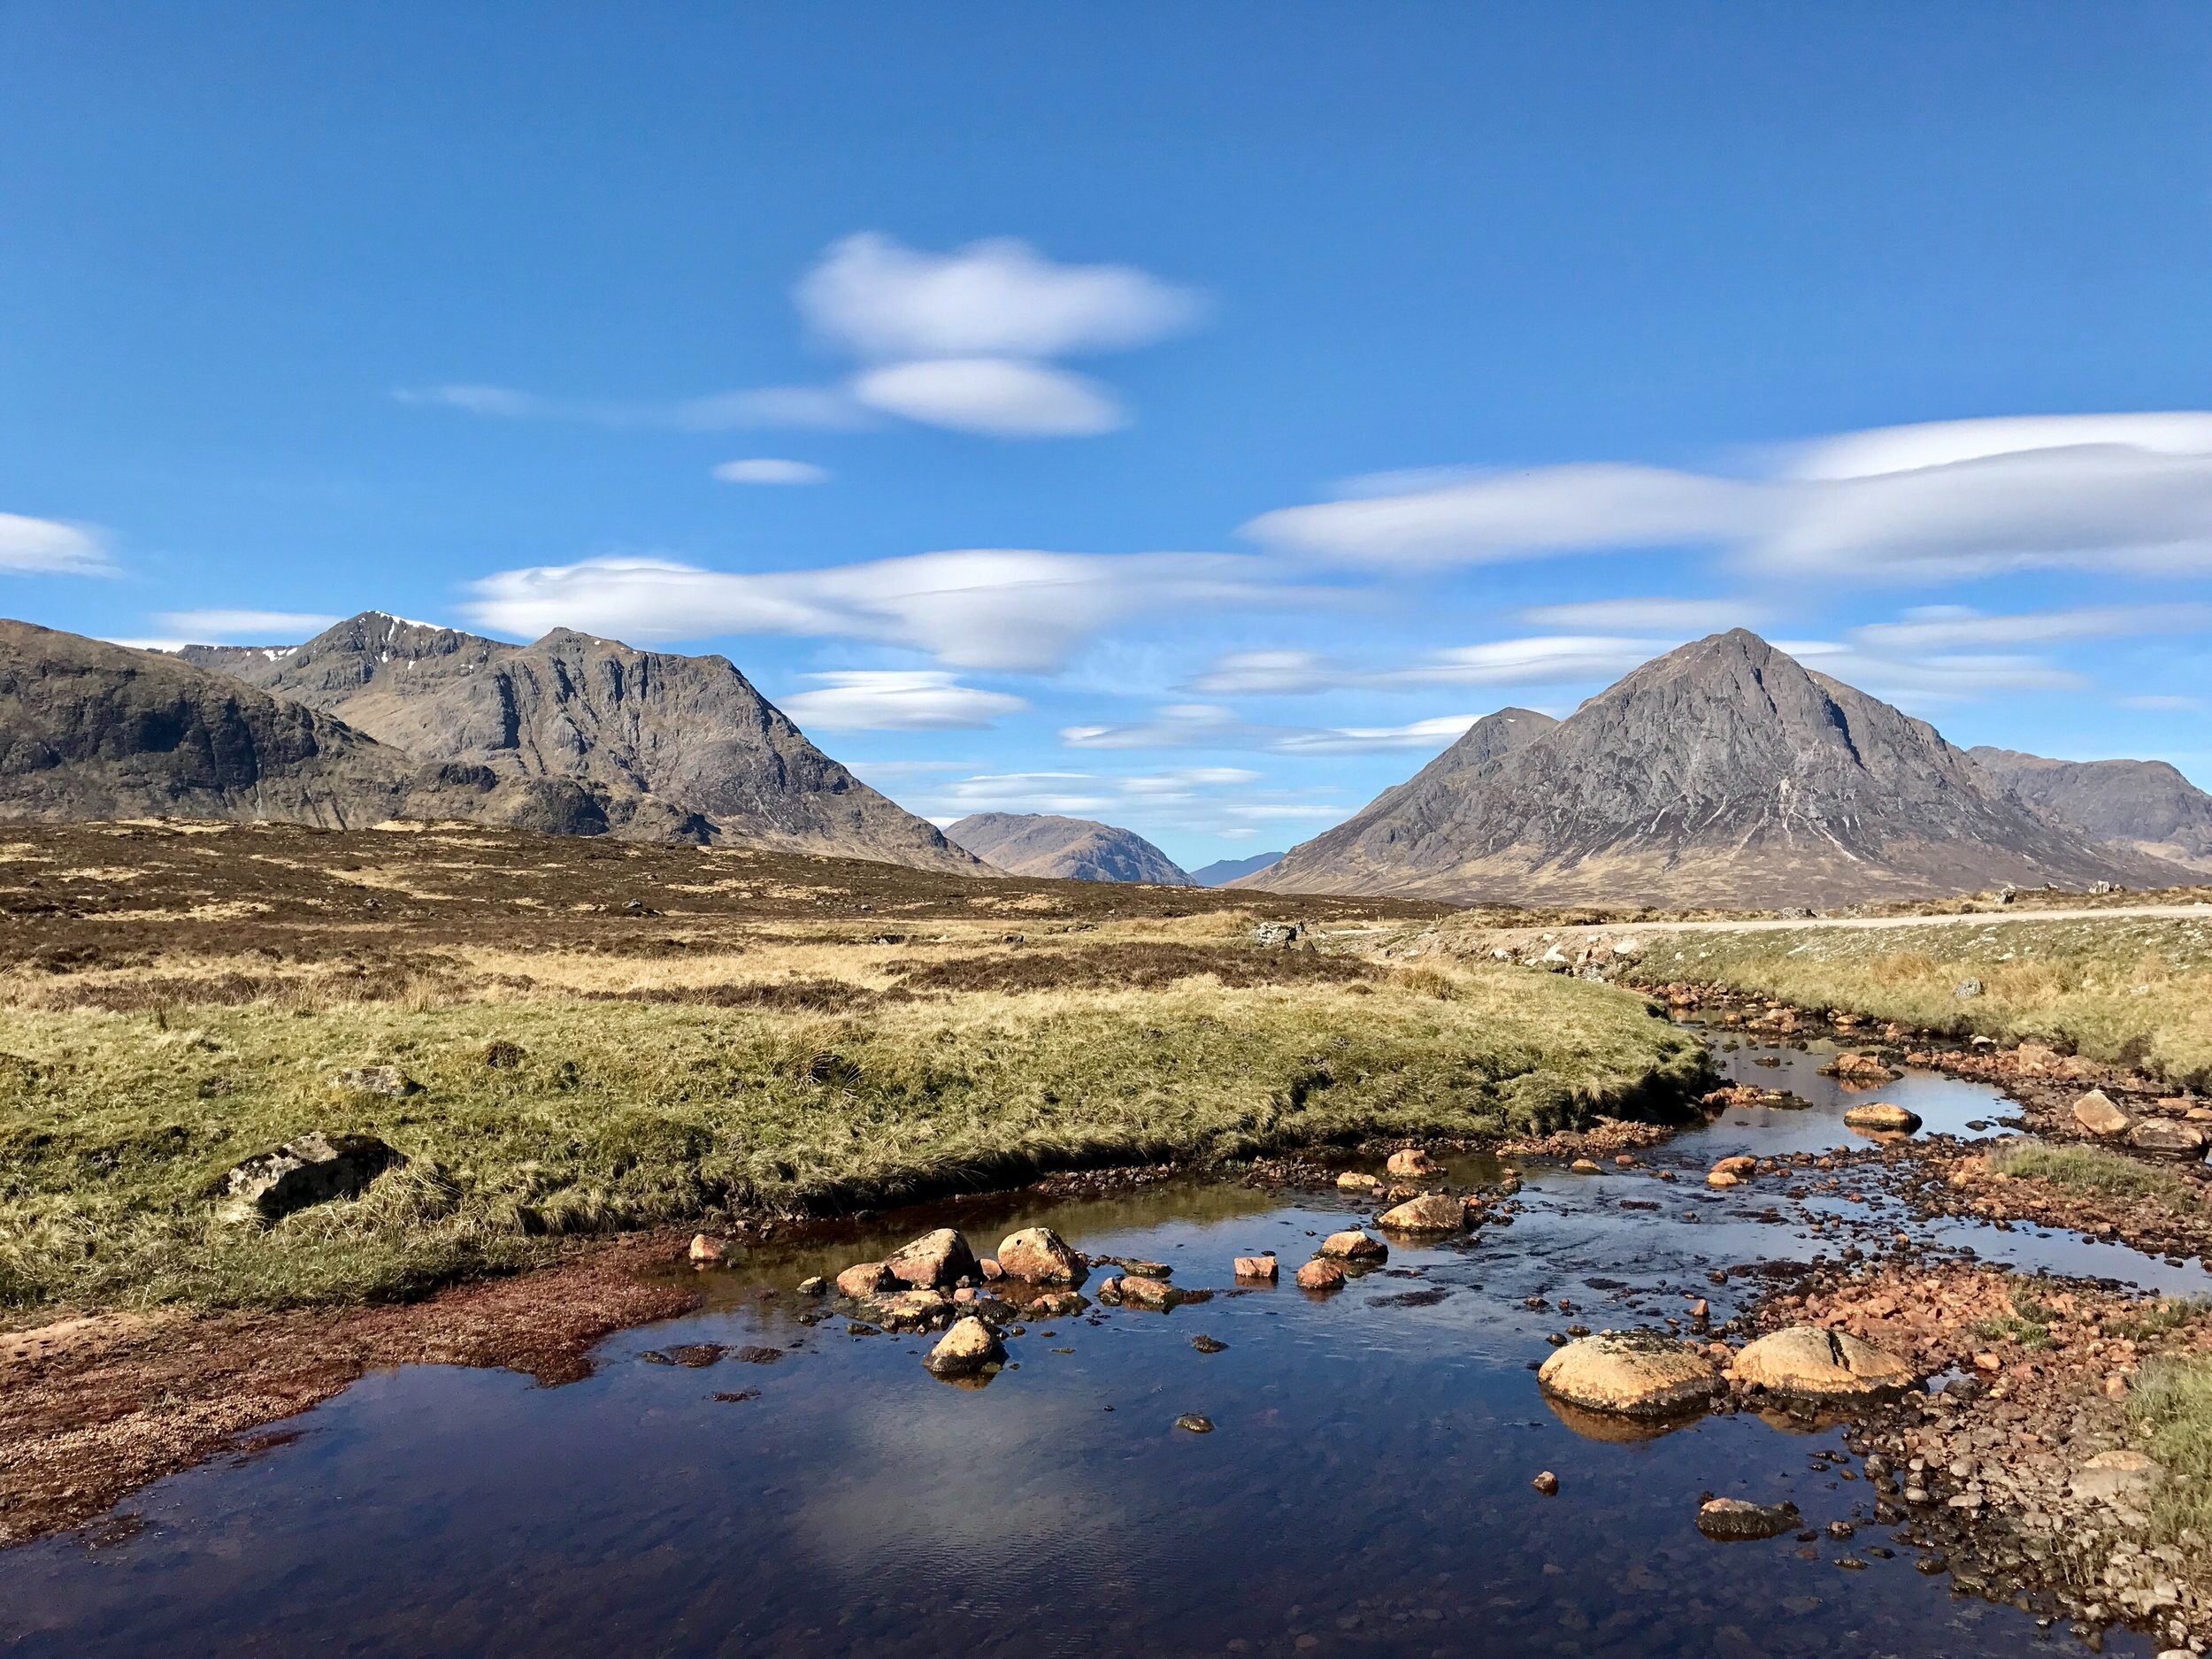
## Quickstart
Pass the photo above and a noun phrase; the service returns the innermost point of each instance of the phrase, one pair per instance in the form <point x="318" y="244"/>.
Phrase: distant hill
<point x="1222" y="871"/>
<point x="691" y="731"/>
<point x="90" y="730"/>
<point x="1723" y="773"/>
<point x="1072" y="849"/>
<point x="2144" y="806"/>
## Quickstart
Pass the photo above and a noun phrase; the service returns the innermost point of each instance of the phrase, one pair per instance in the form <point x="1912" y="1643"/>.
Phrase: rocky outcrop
<point x="1064" y="849"/>
<point x="1723" y="773"/>
<point x="687" y="734"/>
<point x="311" y="1170"/>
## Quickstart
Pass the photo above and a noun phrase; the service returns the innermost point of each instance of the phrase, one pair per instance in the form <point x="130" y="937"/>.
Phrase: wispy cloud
<point x="822" y="408"/>
<point x="1540" y="660"/>
<point x="1924" y="503"/>
<point x="1947" y="627"/>
<point x="1207" y="800"/>
<point x="865" y="700"/>
<point x="992" y="607"/>
<point x="252" y="627"/>
<point x="2165" y="702"/>
<point x="1960" y="677"/>
<point x="1682" y="618"/>
<point x="999" y="397"/>
<point x="49" y="547"/>
<point x="769" y="470"/>
<point x="1208" y="726"/>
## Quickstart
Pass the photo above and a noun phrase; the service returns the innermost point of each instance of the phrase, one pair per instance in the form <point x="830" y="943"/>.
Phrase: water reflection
<point x="1367" y="1490"/>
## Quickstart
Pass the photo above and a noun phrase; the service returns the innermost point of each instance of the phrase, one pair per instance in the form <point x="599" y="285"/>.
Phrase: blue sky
<point x="1185" y="416"/>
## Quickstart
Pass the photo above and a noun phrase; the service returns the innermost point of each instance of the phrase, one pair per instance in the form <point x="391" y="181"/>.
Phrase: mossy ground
<point x="2127" y="991"/>
<point x="671" y="1069"/>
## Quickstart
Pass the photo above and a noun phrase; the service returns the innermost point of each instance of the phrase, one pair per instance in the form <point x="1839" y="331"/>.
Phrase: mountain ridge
<point x="691" y="731"/>
<point x="2145" y="806"/>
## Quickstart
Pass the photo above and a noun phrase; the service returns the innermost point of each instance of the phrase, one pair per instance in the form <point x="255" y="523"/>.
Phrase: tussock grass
<point x="2126" y="991"/>
<point x="544" y="1115"/>
<point x="2171" y="1407"/>
<point x="2094" y="1171"/>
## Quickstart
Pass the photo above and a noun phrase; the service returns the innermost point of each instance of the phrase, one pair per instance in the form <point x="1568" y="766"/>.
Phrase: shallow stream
<point x="1366" y="1489"/>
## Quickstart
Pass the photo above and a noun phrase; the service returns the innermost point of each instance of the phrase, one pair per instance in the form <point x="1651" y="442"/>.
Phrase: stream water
<point x="1366" y="1489"/>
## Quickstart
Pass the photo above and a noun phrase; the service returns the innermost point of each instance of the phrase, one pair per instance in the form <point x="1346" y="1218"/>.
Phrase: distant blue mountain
<point x="1223" y="870"/>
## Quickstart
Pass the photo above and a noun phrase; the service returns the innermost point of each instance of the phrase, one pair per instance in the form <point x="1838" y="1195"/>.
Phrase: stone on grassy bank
<point x="311" y="1170"/>
<point x="2096" y="1112"/>
<point x="2168" y="1137"/>
<point x="1634" y="1374"/>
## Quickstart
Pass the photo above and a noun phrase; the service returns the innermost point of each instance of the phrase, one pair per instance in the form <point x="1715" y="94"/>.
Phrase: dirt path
<point x="1980" y="918"/>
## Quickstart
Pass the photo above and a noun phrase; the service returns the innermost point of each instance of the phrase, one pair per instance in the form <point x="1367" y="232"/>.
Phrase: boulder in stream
<point x="1881" y="1118"/>
<point x="967" y="1348"/>
<point x="1352" y="1245"/>
<point x="1432" y="1213"/>
<point x="1410" y="1164"/>
<point x="1040" y="1256"/>
<point x="1807" y="1362"/>
<point x="1320" y="1274"/>
<point x="1735" y="1519"/>
<point x="1634" y="1373"/>
<point x="936" y="1261"/>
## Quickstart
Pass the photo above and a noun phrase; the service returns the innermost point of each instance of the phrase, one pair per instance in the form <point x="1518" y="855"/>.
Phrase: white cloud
<point x="254" y="626"/>
<point x="1933" y="678"/>
<point x="2164" y="703"/>
<point x="997" y="397"/>
<point x="767" y="470"/>
<point x="1495" y="518"/>
<point x="1433" y="734"/>
<point x="47" y="547"/>
<point x="1688" y="618"/>
<point x="878" y="299"/>
<point x="1945" y="627"/>
<point x="897" y="700"/>
<point x="823" y="408"/>
<point x="1923" y="502"/>
<point x="1549" y="660"/>
<point x="1200" y="799"/>
<point x="1270" y="673"/>
<point x="1205" y="726"/>
<point x="993" y="607"/>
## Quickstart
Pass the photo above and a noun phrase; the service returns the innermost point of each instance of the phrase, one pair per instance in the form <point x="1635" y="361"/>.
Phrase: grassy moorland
<point x="606" y="1037"/>
<point x="2133" y="991"/>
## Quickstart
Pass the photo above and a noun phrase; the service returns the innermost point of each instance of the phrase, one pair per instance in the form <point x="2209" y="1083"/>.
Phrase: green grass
<point x="618" y="1115"/>
<point x="2095" y="1171"/>
<point x="2172" y="1410"/>
<point x="2134" y="992"/>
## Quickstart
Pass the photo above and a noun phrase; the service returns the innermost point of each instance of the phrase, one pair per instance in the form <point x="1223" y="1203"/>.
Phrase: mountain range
<point x="1724" y="773"/>
<point x="1222" y="871"/>
<point x="1069" y="848"/>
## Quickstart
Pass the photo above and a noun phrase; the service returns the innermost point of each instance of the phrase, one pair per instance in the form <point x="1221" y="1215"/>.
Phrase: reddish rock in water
<point x="936" y="1261"/>
<point x="1434" y="1213"/>
<point x="1260" y="1267"/>
<point x="864" y="1278"/>
<point x="1733" y="1518"/>
<point x="1409" y="1162"/>
<point x="1041" y="1257"/>
<point x="1320" y="1274"/>
<point x="968" y="1348"/>
<point x="1352" y="1245"/>
<point x="704" y="1251"/>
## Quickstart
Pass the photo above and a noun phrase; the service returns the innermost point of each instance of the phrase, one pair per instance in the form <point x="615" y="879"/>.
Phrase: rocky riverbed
<point x="1139" y="1439"/>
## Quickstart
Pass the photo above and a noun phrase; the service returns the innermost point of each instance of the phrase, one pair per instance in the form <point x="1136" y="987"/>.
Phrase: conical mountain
<point x="1067" y="849"/>
<point x="1723" y="773"/>
<point x="691" y="731"/>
